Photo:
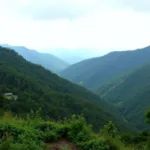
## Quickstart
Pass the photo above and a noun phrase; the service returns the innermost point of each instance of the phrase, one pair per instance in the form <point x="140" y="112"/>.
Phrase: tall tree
<point x="147" y="115"/>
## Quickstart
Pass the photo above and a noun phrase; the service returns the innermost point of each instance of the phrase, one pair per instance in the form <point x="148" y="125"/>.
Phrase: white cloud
<point x="88" y="24"/>
<point x="71" y="9"/>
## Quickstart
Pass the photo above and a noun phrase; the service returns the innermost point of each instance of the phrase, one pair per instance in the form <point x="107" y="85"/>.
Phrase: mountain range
<point x="121" y="78"/>
<point x="48" y="61"/>
<point x="73" y="56"/>
<point x="95" y="72"/>
<point x="38" y="88"/>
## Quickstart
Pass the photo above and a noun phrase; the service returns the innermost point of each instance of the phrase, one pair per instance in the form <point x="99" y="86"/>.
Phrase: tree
<point x="126" y="139"/>
<point x="147" y="115"/>
<point x="109" y="129"/>
<point x="2" y="100"/>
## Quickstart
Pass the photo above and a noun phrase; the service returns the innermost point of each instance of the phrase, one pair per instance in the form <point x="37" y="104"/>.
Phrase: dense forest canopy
<point x="130" y="94"/>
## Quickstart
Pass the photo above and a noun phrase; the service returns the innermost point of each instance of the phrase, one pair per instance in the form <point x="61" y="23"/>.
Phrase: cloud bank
<point x="101" y="25"/>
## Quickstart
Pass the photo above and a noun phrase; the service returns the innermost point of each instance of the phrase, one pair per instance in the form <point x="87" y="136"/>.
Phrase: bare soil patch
<point x="60" y="145"/>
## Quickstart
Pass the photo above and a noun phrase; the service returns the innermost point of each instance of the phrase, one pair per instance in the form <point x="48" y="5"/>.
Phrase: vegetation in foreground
<point x="33" y="133"/>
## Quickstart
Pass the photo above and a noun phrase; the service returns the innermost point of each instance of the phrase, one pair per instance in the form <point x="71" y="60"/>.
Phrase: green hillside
<point x="131" y="94"/>
<point x="36" y="87"/>
<point x="48" y="61"/>
<point x="95" y="72"/>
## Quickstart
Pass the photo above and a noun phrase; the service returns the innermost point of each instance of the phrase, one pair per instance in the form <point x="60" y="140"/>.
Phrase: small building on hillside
<point x="10" y="96"/>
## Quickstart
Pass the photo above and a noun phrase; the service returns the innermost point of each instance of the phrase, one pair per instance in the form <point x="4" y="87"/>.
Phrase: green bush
<point x="50" y="136"/>
<point x="6" y="144"/>
<point x="19" y="134"/>
<point x="62" y="130"/>
<point x="51" y="131"/>
<point x="23" y="136"/>
<point x="12" y="129"/>
<point x="126" y="139"/>
<point x="95" y="144"/>
<point x="111" y="144"/>
<point x="109" y="130"/>
<point x="148" y="144"/>
<point x="45" y="126"/>
<point x="78" y="130"/>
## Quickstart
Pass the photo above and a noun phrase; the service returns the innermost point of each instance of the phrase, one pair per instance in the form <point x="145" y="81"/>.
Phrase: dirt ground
<point x="60" y="145"/>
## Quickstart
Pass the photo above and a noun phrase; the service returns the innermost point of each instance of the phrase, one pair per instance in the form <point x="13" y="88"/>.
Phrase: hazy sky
<point x="101" y="25"/>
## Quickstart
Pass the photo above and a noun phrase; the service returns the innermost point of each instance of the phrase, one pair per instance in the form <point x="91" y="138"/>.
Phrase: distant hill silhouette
<point x="48" y="61"/>
<point x="93" y="73"/>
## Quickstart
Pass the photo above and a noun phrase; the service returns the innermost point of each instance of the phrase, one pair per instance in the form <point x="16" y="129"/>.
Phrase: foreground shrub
<point x="112" y="144"/>
<point x="5" y="144"/>
<point x="109" y="130"/>
<point x="78" y="130"/>
<point x="51" y="131"/>
<point x="95" y="144"/>
<point x="32" y="134"/>
<point x="126" y="139"/>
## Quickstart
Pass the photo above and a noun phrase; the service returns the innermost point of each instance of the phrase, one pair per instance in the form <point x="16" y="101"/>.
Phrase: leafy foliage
<point x="147" y="115"/>
<point x="33" y="133"/>
<point x="109" y="129"/>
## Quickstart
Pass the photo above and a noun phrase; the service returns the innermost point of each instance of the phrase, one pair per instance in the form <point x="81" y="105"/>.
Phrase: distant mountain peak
<point x="48" y="61"/>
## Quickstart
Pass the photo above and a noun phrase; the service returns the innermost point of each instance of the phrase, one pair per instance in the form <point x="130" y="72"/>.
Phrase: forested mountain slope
<point x="131" y="94"/>
<point x="93" y="73"/>
<point x="48" y="61"/>
<point x="37" y="88"/>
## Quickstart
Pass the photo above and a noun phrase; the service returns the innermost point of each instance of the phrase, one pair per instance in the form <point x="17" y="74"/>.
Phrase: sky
<point x="96" y="25"/>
